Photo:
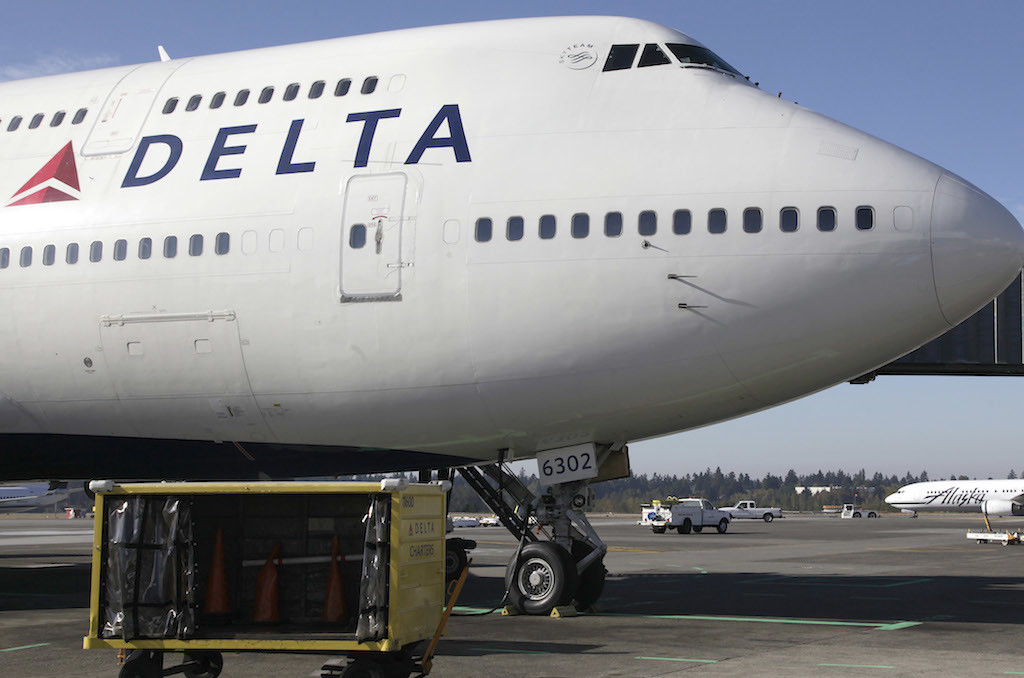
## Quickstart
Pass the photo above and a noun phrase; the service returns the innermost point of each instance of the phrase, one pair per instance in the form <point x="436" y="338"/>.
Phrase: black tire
<point x="685" y="527"/>
<point x="455" y="559"/>
<point x="362" y="668"/>
<point x="768" y="517"/>
<point x="698" y="528"/>
<point x="723" y="525"/>
<point x="872" y="514"/>
<point x="658" y="529"/>
<point x="591" y="580"/>
<point x="543" y="578"/>
<point x="207" y="664"/>
<point x="856" y="514"/>
<point x="142" y="664"/>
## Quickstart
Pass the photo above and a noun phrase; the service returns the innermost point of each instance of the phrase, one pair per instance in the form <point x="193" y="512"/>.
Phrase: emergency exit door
<point x="371" y="239"/>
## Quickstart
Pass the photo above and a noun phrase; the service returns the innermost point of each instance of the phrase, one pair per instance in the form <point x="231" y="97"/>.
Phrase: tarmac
<point x="801" y="596"/>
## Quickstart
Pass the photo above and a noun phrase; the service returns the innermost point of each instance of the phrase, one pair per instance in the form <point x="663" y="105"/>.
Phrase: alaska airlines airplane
<point x="448" y="246"/>
<point x="16" y="498"/>
<point x="991" y="497"/>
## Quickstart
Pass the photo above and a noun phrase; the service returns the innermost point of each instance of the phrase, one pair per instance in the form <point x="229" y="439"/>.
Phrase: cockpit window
<point x="620" y="57"/>
<point x="653" y="56"/>
<point x="693" y="56"/>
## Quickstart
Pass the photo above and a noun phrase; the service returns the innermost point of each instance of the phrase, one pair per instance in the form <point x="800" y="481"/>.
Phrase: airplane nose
<point x="977" y="247"/>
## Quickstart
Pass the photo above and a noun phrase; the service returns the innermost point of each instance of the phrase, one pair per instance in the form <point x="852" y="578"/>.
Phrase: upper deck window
<point x="291" y="91"/>
<point x="13" y="124"/>
<point x="620" y="57"/>
<point x="653" y="56"/>
<point x="693" y="56"/>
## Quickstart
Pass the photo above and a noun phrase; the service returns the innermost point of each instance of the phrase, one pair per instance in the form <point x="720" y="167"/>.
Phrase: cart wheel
<point x="543" y="578"/>
<point x="203" y="664"/>
<point x="455" y="559"/>
<point x="362" y="668"/>
<point x="143" y="664"/>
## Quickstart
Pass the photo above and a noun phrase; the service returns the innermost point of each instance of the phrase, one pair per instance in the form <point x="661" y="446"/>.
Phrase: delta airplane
<point x="450" y="246"/>
<point x="16" y="498"/>
<point x="988" y="497"/>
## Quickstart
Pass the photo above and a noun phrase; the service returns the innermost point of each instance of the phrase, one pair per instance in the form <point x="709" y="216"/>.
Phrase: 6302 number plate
<point x="567" y="464"/>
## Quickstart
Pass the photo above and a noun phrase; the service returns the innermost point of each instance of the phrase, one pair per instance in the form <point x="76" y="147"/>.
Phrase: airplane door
<point x="371" y="242"/>
<point x="127" y="107"/>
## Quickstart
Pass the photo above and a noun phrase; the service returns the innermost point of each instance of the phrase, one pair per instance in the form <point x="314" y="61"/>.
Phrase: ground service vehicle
<point x="693" y="514"/>
<point x="750" y="509"/>
<point x="854" y="511"/>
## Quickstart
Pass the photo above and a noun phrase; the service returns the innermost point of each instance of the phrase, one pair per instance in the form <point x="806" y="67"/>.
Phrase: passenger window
<point x="195" y="245"/>
<point x="194" y="102"/>
<point x="681" y="222"/>
<point x="266" y="95"/>
<point x="316" y="89"/>
<point x="647" y="223"/>
<point x="580" y="226"/>
<point x="170" y="247"/>
<point x="145" y="248"/>
<point x="71" y="255"/>
<point x="58" y="118"/>
<point x="13" y="124"/>
<point x="26" y="257"/>
<point x="96" y="251"/>
<point x="369" y="85"/>
<point x="249" y="242"/>
<point x="120" y="250"/>
<point x="223" y="243"/>
<point x="276" y="242"/>
<point x="37" y="120"/>
<point x="170" y="105"/>
<point x="865" y="218"/>
<point x="789" y="220"/>
<point x="291" y="91"/>
<point x="653" y="56"/>
<point x="79" y="116"/>
<point x="357" y="236"/>
<point x="5" y="257"/>
<point x="752" y="220"/>
<point x="547" y="227"/>
<point x="304" y="240"/>
<point x="827" y="219"/>
<point x="483" y="229"/>
<point x="217" y="100"/>
<point x="613" y="224"/>
<point x="514" y="229"/>
<point x="717" y="220"/>
<point x="49" y="254"/>
<point x="241" y="97"/>
<point x="343" y="86"/>
<point x="620" y="57"/>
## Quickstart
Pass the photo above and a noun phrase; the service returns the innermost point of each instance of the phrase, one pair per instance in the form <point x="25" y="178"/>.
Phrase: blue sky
<point x="942" y="79"/>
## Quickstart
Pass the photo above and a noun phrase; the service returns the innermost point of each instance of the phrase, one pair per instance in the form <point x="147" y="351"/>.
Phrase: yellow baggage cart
<point x="344" y="568"/>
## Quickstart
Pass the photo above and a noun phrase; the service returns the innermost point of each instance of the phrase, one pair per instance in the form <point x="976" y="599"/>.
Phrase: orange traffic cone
<point x="266" y="609"/>
<point x="217" y="583"/>
<point x="334" y="606"/>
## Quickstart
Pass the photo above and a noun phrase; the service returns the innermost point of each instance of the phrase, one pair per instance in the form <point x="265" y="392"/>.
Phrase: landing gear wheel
<point x="685" y="527"/>
<point x="698" y="528"/>
<point x="768" y="517"/>
<point x="143" y="664"/>
<point x="362" y="668"/>
<point x="543" y="578"/>
<point x="206" y="664"/>
<point x="591" y="580"/>
<point x="455" y="559"/>
<point x="723" y="525"/>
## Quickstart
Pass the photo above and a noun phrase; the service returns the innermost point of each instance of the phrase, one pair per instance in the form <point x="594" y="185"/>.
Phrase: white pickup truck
<point x="750" y="509"/>
<point x="692" y="514"/>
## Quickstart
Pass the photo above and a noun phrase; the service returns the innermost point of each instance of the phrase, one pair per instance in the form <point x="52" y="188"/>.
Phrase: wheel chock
<point x="564" y="611"/>
<point x="509" y="611"/>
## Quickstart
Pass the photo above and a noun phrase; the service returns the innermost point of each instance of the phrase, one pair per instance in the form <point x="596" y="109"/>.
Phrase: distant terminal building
<point x="816" y="489"/>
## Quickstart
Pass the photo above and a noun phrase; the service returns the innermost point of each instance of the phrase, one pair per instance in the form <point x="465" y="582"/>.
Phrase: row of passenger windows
<point x="221" y="245"/>
<point x="647" y="223"/>
<point x="56" y="121"/>
<point x="291" y="92"/>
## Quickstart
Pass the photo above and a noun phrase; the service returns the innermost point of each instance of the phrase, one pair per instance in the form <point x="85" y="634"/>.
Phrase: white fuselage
<point x="356" y="304"/>
<point x="17" y="498"/>
<point x="961" y="496"/>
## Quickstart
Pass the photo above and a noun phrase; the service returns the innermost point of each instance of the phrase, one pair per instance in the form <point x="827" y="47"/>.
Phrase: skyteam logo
<point x="57" y="181"/>
<point x="578" y="56"/>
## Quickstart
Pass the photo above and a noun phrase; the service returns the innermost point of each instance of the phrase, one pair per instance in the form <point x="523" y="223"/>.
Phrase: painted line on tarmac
<point x="883" y="626"/>
<point x="679" y="659"/>
<point x="859" y="666"/>
<point x="23" y="647"/>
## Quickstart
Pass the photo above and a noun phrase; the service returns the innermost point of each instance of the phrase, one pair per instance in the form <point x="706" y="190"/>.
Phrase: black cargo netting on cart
<point x="373" y="589"/>
<point x="150" y="580"/>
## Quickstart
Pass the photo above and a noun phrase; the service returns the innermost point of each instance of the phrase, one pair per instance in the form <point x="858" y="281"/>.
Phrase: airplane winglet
<point x="163" y="53"/>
